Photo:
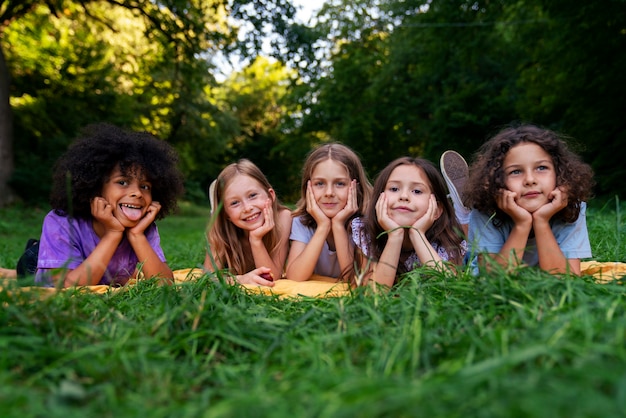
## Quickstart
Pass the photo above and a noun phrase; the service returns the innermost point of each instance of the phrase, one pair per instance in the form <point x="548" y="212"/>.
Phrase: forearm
<point x="303" y="265"/>
<point x="344" y="249"/>
<point x="551" y="257"/>
<point x="152" y="265"/>
<point x="425" y="251"/>
<point x="262" y="258"/>
<point x="91" y="270"/>
<point x="386" y="268"/>
<point x="512" y="252"/>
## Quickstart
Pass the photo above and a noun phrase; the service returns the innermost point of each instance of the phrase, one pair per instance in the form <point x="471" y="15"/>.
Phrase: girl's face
<point x="330" y="182"/>
<point x="408" y="193"/>
<point x="244" y="199"/>
<point x="529" y="172"/>
<point x="130" y="195"/>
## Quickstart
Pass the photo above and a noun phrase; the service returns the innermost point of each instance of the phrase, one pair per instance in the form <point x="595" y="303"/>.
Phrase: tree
<point x="189" y="29"/>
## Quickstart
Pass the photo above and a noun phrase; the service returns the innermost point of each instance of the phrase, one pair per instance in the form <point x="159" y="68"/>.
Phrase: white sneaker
<point x="212" y="197"/>
<point x="455" y="172"/>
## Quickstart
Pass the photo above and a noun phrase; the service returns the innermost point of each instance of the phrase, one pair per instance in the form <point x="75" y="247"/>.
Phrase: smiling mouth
<point x="126" y="205"/>
<point x="253" y="217"/>
<point x="132" y="212"/>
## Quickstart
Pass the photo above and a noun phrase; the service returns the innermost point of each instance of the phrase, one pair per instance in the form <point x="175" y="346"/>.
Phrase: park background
<point x="225" y="80"/>
<point x="388" y="78"/>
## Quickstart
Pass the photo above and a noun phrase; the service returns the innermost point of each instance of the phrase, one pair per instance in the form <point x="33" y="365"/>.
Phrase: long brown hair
<point x="223" y="236"/>
<point x="445" y="231"/>
<point x="344" y="156"/>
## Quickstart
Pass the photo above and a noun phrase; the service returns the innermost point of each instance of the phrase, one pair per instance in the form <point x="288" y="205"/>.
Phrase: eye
<point x="318" y="183"/>
<point x="543" y="167"/>
<point x="417" y="191"/>
<point x="340" y="183"/>
<point x="233" y="203"/>
<point x="393" y="189"/>
<point x="146" y="186"/>
<point x="514" y="172"/>
<point x="122" y="182"/>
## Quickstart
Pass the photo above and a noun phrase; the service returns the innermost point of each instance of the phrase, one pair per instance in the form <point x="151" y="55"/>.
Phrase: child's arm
<point x="512" y="251"/>
<point x="385" y="269"/>
<point x="260" y="253"/>
<point x="417" y="234"/>
<point x="343" y="245"/>
<point x="551" y="257"/>
<point x="91" y="270"/>
<point x="152" y="265"/>
<point x="303" y="256"/>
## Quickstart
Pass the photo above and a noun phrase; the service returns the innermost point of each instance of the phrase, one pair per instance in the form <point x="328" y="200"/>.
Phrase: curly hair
<point x="487" y="178"/>
<point x="80" y="174"/>
<point x="344" y="156"/>
<point x="224" y="237"/>
<point x="445" y="231"/>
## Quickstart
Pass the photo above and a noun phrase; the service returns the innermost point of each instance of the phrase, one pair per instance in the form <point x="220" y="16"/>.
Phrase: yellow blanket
<point x="603" y="272"/>
<point x="317" y="286"/>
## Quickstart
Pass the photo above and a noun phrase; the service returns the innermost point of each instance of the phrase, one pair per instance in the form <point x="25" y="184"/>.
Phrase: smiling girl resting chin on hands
<point x="108" y="190"/>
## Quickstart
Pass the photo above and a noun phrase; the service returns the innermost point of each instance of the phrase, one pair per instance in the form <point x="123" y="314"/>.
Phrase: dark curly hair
<point x="82" y="171"/>
<point x="487" y="176"/>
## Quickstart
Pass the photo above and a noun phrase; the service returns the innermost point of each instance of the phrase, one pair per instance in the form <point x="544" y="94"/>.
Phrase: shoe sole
<point x="455" y="172"/>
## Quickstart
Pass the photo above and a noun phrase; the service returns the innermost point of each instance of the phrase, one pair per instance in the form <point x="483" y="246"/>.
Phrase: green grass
<point x="525" y="344"/>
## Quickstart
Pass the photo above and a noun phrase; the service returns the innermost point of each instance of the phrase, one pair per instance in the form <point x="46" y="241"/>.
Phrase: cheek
<point x="231" y="213"/>
<point x="318" y="193"/>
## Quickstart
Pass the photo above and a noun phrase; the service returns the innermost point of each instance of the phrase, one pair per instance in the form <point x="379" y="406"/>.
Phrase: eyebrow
<point x="332" y="179"/>
<point x="544" y="161"/>
<point x="413" y="183"/>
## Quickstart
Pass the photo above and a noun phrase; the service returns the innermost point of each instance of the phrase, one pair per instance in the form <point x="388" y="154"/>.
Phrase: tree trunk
<point x="6" y="135"/>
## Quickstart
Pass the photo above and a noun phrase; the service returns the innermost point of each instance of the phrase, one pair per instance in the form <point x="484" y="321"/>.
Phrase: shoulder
<point x="299" y="231"/>
<point x="284" y="216"/>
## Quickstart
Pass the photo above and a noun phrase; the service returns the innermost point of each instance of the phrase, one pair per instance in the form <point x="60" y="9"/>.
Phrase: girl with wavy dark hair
<point x="409" y="223"/>
<point x="528" y="192"/>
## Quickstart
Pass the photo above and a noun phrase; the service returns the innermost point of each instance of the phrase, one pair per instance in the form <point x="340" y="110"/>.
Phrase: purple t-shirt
<point x="66" y="242"/>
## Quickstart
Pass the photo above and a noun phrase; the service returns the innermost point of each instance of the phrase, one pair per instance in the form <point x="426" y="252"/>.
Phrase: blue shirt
<point x="485" y="237"/>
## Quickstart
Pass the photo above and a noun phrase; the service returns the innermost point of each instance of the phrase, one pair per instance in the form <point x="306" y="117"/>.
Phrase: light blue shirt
<point x="327" y="263"/>
<point x="484" y="237"/>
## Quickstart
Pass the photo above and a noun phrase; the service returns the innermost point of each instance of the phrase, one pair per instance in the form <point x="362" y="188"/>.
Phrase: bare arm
<point x="512" y="251"/>
<point x="260" y="253"/>
<point x="417" y="234"/>
<point x="91" y="270"/>
<point x="343" y="243"/>
<point x="385" y="269"/>
<point x="303" y="256"/>
<point x="551" y="257"/>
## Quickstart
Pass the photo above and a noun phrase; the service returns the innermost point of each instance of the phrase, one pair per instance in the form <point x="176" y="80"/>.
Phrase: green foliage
<point x="416" y="77"/>
<point x="526" y="344"/>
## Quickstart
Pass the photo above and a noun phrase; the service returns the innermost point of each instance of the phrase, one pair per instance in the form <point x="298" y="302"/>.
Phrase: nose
<point x="530" y="177"/>
<point x="329" y="191"/>
<point x="246" y="206"/>
<point x="134" y="190"/>
<point x="404" y="195"/>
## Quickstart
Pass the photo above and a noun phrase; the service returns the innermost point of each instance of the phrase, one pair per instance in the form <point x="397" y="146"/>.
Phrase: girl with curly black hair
<point x="528" y="193"/>
<point x="108" y="189"/>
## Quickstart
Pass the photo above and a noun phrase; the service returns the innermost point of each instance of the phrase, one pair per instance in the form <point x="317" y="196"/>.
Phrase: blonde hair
<point x="346" y="157"/>
<point x="223" y="236"/>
